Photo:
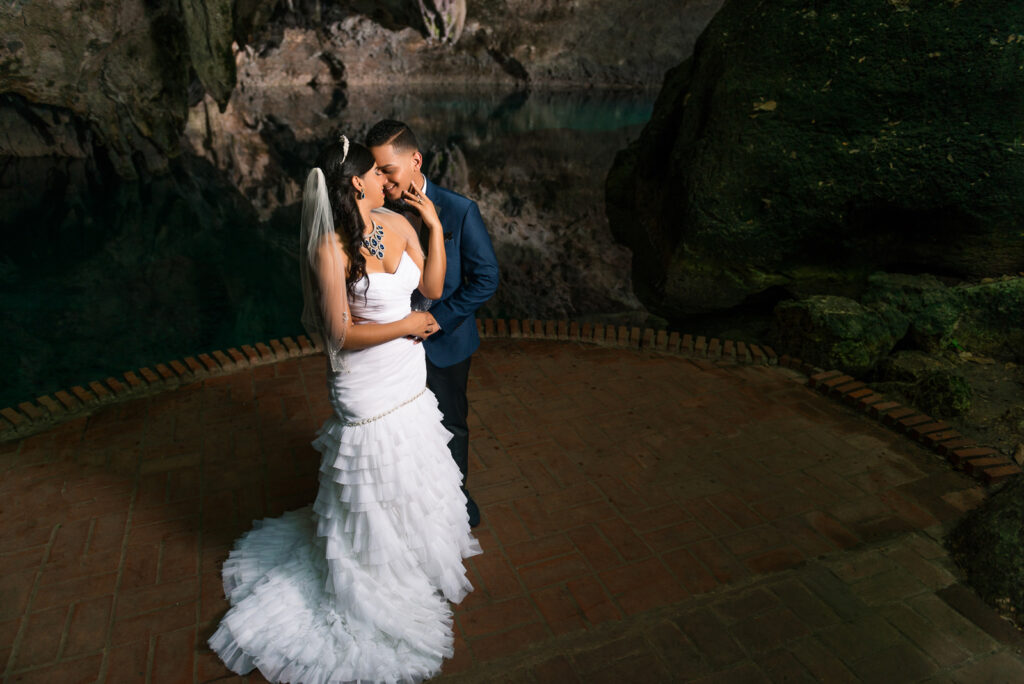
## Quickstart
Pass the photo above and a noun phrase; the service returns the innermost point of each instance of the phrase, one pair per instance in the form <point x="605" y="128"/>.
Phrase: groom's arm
<point x="479" y="274"/>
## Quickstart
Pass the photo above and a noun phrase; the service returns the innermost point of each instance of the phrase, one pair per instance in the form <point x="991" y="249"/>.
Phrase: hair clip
<point x="344" y="146"/>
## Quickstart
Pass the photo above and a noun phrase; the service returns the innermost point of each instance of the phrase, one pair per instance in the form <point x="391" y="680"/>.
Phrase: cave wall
<point x="126" y="72"/>
<point x="805" y="145"/>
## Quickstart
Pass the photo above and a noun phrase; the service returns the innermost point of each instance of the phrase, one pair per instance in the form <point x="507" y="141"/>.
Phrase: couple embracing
<point x="356" y="586"/>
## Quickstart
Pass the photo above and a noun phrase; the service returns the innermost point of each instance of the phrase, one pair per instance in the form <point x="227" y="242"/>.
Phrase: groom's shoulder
<point x="454" y="199"/>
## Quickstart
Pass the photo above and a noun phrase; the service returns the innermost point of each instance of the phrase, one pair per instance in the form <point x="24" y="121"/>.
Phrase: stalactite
<point x="444" y="19"/>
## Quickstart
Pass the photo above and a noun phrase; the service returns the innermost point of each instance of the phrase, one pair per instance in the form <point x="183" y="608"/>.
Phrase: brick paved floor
<point x="614" y="485"/>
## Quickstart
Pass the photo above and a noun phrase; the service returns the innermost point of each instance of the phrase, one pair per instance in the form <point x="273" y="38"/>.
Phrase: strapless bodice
<point x="386" y="295"/>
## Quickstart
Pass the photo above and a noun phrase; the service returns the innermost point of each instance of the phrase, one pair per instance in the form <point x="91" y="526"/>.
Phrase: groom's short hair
<point x="391" y="132"/>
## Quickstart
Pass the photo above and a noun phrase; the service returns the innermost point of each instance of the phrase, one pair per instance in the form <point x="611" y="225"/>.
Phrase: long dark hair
<point x="339" y="170"/>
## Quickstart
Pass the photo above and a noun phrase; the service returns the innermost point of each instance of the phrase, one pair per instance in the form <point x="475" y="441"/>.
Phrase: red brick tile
<point x="108" y="531"/>
<point x="752" y="541"/>
<point x="172" y="657"/>
<point x="63" y="593"/>
<point x="694" y="575"/>
<point x="140" y="627"/>
<point x="595" y="548"/>
<point x="79" y="671"/>
<point x="556" y="670"/>
<point x="1000" y="473"/>
<point x="539" y="549"/>
<point x="14" y="593"/>
<point x="573" y="495"/>
<point x="643" y="585"/>
<point x="553" y="570"/>
<point x="733" y="507"/>
<point x="88" y="630"/>
<point x="907" y="510"/>
<point x="655" y="518"/>
<point x="710" y="637"/>
<point x="497" y="617"/>
<point x="669" y="538"/>
<point x="42" y="637"/>
<point x="504" y="521"/>
<point x="710" y="517"/>
<point x="497" y="645"/>
<point x="539" y="477"/>
<point x="593" y="600"/>
<point x="542" y="523"/>
<point x="25" y="559"/>
<point x="626" y="542"/>
<point x="144" y="599"/>
<point x="723" y="565"/>
<point x="500" y="581"/>
<point x="775" y="560"/>
<point x="798" y="532"/>
<point x="559" y="609"/>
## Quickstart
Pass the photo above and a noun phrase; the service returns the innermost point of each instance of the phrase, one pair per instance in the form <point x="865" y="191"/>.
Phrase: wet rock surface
<point x="832" y="153"/>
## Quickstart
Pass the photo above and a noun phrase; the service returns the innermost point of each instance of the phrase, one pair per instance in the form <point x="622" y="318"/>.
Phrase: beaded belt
<point x="364" y="421"/>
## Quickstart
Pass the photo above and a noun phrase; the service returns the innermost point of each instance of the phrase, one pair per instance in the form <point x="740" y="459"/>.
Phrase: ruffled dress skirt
<point x="355" y="587"/>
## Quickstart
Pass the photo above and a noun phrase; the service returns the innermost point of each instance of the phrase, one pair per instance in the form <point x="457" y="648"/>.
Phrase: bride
<point x="356" y="586"/>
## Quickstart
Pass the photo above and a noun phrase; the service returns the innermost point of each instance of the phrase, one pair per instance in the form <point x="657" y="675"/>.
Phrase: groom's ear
<point x="417" y="160"/>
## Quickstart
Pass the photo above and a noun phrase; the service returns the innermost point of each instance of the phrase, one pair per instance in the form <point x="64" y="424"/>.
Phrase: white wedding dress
<point x="355" y="588"/>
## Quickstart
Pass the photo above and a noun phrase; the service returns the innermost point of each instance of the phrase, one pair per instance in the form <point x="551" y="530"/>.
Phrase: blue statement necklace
<point x="374" y="242"/>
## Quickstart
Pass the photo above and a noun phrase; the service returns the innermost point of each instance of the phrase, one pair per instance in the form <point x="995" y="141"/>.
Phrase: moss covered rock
<point x="933" y="309"/>
<point x="986" y="317"/>
<point x="992" y="321"/>
<point x="804" y="138"/>
<point x="988" y="544"/>
<point x="910" y="366"/>
<point x="942" y="394"/>
<point x="837" y="332"/>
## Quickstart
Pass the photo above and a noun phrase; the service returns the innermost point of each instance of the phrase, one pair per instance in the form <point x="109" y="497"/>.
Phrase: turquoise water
<point x="99" y="276"/>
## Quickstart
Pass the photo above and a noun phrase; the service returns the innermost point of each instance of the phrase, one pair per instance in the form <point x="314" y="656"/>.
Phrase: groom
<point x="470" y="280"/>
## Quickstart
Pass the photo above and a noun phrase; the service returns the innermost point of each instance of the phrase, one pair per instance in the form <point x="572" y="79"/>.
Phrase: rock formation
<point x="804" y="146"/>
<point x="120" y="68"/>
<point x="914" y="312"/>
<point x="127" y="70"/>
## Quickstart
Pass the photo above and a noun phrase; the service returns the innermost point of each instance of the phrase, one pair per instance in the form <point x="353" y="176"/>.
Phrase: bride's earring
<point x="362" y="194"/>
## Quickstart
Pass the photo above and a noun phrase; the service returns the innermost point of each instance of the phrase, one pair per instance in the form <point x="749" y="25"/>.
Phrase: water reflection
<point x="101" y="276"/>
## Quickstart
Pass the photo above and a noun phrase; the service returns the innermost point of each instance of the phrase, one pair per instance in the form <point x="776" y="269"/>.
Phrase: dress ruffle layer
<point x="355" y="588"/>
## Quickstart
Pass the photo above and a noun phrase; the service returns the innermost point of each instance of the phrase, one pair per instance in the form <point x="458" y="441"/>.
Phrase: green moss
<point x="837" y="332"/>
<point x="806" y="137"/>
<point x="942" y="394"/>
<point x="988" y="544"/>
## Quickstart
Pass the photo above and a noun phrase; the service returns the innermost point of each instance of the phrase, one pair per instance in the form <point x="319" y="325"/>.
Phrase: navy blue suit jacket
<point x="470" y="279"/>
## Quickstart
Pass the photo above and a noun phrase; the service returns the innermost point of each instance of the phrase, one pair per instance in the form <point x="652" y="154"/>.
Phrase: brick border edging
<point x="30" y="418"/>
<point x="46" y="411"/>
<point x="982" y="462"/>
<point x="629" y="337"/>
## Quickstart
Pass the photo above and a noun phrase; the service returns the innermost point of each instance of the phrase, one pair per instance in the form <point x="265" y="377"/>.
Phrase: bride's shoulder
<point x="393" y="220"/>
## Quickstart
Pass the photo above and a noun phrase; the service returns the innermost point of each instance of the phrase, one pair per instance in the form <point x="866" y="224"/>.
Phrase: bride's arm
<point x="433" y="270"/>
<point x="338" y="320"/>
<point x="432" y="276"/>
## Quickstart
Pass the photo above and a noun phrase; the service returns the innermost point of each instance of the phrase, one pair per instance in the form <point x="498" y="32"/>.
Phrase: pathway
<point x="644" y="517"/>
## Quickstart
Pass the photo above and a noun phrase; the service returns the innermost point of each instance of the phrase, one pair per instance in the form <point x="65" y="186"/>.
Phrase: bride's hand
<point x="421" y="325"/>
<point x="421" y="203"/>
